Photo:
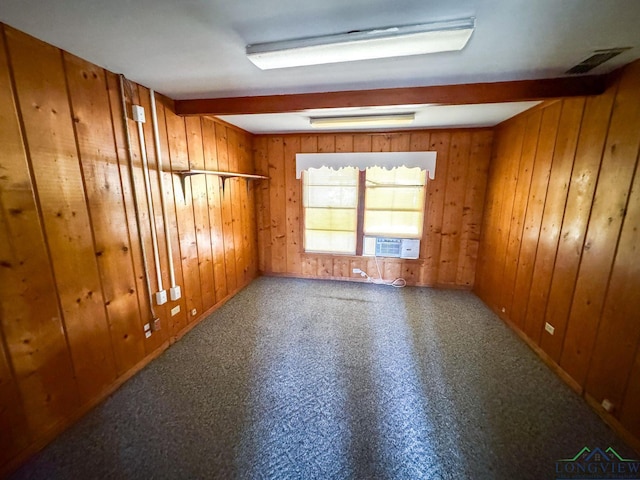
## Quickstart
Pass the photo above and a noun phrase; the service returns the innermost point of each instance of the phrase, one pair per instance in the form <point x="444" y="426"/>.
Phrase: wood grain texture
<point x="521" y="198"/>
<point x="177" y="322"/>
<point x="444" y="94"/>
<point x="280" y="238"/>
<point x="227" y="212"/>
<point x="476" y="173"/>
<point x="200" y="203"/>
<point x="179" y="160"/>
<point x="591" y="141"/>
<point x="214" y="197"/>
<point x="453" y="208"/>
<point x="585" y="282"/>
<point x="619" y="331"/>
<point x="534" y="211"/>
<point x="607" y="213"/>
<point x="44" y="108"/>
<point x="554" y="208"/>
<point x="73" y="295"/>
<point x="119" y="133"/>
<point x="38" y="388"/>
<point x="99" y="160"/>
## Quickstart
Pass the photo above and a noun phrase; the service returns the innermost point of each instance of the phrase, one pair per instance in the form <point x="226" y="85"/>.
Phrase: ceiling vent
<point x="598" y="58"/>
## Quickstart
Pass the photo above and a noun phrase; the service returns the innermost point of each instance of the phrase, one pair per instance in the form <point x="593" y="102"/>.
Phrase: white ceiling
<point x="426" y="116"/>
<point x="195" y="48"/>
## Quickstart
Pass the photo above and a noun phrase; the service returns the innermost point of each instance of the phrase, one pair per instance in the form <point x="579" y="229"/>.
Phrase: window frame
<point x="360" y="209"/>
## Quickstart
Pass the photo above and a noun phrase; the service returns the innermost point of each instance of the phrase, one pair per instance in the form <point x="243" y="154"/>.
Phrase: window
<point x="341" y="207"/>
<point x="330" y="200"/>
<point x="394" y="202"/>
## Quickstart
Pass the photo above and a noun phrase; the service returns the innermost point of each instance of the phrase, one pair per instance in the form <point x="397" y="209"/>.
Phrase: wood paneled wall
<point x="73" y="299"/>
<point x="561" y="241"/>
<point x="453" y="211"/>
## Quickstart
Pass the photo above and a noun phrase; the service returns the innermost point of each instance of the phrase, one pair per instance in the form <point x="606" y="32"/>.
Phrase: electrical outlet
<point x="175" y="310"/>
<point x="608" y="405"/>
<point x="175" y="293"/>
<point x="549" y="328"/>
<point x="357" y="270"/>
<point x="147" y="330"/>
<point x="137" y="113"/>
<point x="194" y="312"/>
<point x="161" y="297"/>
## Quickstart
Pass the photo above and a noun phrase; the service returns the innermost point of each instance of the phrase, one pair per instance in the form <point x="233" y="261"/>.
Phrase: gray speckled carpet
<point x="303" y="379"/>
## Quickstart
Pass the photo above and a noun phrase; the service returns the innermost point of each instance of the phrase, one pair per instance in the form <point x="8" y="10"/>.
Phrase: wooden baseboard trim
<point x="608" y="418"/>
<point x="361" y="280"/>
<point x="208" y="312"/>
<point x="614" y="423"/>
<point x="51" y="433"/>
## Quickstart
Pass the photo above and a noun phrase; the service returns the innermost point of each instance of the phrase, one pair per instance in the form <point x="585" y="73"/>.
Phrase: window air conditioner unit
<point x="392" y="247"/>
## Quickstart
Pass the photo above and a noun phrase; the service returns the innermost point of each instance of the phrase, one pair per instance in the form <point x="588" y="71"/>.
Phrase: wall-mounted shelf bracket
<point x="224" y="176"/>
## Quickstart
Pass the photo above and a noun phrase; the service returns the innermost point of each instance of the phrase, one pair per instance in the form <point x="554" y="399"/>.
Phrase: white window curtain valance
<point x="362" y="160"/>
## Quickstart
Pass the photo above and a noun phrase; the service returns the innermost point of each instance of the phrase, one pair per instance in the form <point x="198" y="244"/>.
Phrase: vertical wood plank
<point x="326" y="143"/>
<point x="143" y="98"/>
<point x="277" y="204"/>
<point x="177" y="321"/>
<point x="504" y="209"/>
<point x="529" y="147"/>
<point x="608" y="210"/>
<point x="97" y="151"/>
<point x="325" y="265"/>
<point x="341" y="265"/>
<point x="235" y="186"/>
<point x="477" y="171"/>
<point x="629" y="412"/>
<point x="619" y="335"/>
<point x="117" y="121"/>
<point x="453" y="208"/>
<point x="214" y="196"/>
<point x="309" y="265"/>
<point x="293" y="210"/>
<point x="381" y="143"/>
<point x="535" y="209"/>
<point x="436" y="189"/>
<point x="262" y="204"/>
<point x="591" y="142"/>
<point x="179" y="160"/>
<point x="246" y="164"/>
<point x="200" y="202"/>
<point x="554" y="208"/>
<point x="44" y="106"/>
<point x="141" y="229"/>
<point x="222" y="147"/>
<point x="31" y="321"/>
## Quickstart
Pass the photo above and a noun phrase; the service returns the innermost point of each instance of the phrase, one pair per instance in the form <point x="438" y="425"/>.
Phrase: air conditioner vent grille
<point x="597" y="58"/>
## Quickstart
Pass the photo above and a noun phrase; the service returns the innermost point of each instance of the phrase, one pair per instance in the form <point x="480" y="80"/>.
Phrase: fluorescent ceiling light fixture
<point x="363" y="121"/>
<point x="363" y="45"/>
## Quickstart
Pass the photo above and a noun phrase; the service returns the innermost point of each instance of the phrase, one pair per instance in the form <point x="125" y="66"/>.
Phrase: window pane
<point x="396" y="198"/>
<point x="393" y="223"/>
<point x="328" y="176"/>
<point x="330" y="199"/>
<point x="394" y="202"/>
<point x="331" y="196"/>
<point x="324" y="241"/>
<point x="331" y="219"/>
<point x="396" y="176"/>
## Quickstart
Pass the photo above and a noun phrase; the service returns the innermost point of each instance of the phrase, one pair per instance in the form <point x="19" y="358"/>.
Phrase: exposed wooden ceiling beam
<point x="473" y="93"/>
